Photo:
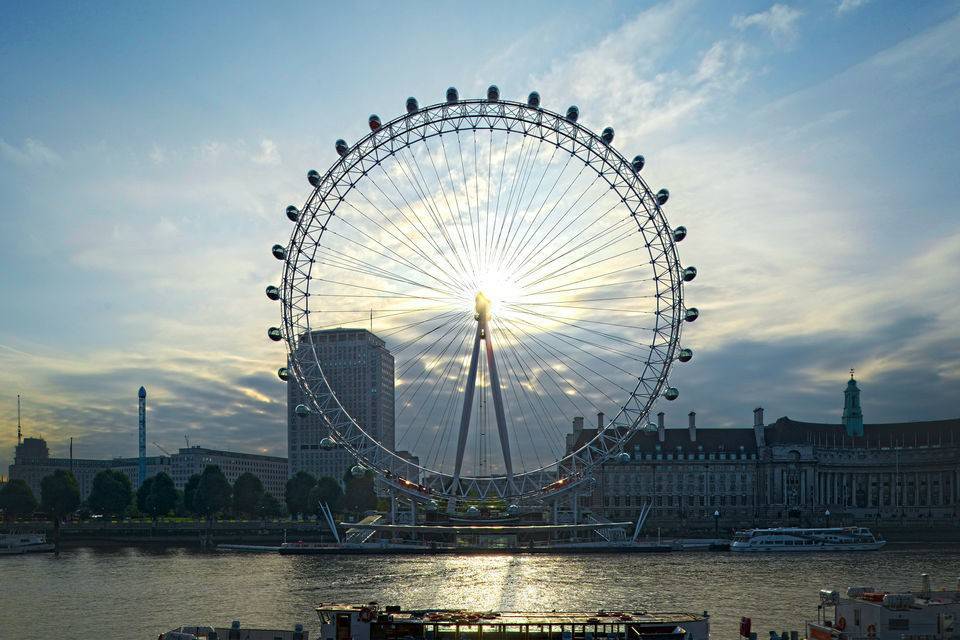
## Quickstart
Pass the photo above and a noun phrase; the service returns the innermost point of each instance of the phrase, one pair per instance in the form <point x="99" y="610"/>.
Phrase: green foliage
<point x="326" y="490"/>
<point x="213" y="492"/>
<point x="247" y="491"/>
<point x="269" y="507"/>
<point x="359" y="496"/>
<point x="59" y="494"/>
<point x="111" y="493"/>
<point x="189" y="491"/>
<point x="157" y="496"/>
<point x="16" y="499"/>
<point x="297" y="493"/>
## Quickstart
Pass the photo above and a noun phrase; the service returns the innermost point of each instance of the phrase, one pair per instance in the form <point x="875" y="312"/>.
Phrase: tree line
<point x="205" y="495"/>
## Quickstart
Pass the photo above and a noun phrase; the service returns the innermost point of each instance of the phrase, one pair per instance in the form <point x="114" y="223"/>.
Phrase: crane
<point x="157" y="445"/>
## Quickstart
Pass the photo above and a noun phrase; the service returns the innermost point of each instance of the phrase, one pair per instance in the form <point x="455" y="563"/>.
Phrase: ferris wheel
<point x="520" y="272"/>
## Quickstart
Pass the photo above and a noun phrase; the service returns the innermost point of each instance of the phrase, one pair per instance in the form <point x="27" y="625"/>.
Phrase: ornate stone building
<point x="788" y="472"/>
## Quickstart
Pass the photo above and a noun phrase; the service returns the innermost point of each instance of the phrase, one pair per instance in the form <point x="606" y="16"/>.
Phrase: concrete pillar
<point x="661" y="427"/>
<point x="692" y="425"/>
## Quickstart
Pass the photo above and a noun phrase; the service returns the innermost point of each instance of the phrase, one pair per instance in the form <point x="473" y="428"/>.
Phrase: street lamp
<point x="827" y="514"/>
<point x="716" y="523"/>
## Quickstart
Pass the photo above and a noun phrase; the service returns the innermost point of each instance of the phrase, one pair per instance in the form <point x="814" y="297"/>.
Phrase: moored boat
<point x="867" y="613"/>
<point x="792" y="539"/>
<point x="373" y="622"/>
<point x="18" y="543"/>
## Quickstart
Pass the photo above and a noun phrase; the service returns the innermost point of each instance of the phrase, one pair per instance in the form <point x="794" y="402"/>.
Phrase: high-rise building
<point x="359" y="368"/>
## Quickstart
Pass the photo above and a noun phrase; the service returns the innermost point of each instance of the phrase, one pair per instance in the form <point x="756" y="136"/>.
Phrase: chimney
<point x="692" y="416"/>
<point x="600" y="421"/>
<point x="661" y="427"/>
<point x="758" y="427"/>
<point x="578" y="424"/>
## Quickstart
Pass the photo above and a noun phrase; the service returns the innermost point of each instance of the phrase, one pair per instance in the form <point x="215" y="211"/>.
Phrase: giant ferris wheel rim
<point x="420" y="125"/>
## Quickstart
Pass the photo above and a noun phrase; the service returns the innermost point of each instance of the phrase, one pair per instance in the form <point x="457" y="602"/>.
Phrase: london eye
<point x="521" y="272"/>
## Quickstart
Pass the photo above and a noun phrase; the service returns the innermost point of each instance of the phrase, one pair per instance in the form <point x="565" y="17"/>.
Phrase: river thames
<point x="134" y="593"/>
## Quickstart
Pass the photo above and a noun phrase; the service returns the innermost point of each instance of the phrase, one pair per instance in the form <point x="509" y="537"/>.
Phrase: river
<point x="132" y="593"/>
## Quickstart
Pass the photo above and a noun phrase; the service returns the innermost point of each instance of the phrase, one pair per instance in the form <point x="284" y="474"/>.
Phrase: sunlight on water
<point x="137" y="593"/>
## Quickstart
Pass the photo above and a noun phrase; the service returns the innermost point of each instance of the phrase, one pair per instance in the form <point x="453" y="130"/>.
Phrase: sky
<point x="147" y="151"/>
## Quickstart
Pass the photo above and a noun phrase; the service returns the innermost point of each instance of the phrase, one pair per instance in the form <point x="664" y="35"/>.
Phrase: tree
<point x="111" y="493"/>
<point x="16" y="499"/>
<point x="326" y="490"/>
<point x="359" y="495"/>
<point x="157" y="496"/>
<point x="189" y="491"/>
<point x="59" y="496"/>
<point x="213" y="493"/>
<point x="297" y="493"/>
<point x="269" y="507"/>
<point x="247" y="491"/>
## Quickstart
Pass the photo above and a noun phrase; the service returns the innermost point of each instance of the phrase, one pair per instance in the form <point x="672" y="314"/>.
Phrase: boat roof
<point x="466" y="616"/>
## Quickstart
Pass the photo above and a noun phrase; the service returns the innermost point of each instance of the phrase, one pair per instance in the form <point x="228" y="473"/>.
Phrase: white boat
<point x="17" y="543"/>
<point x="791" y="539"/>
<point x="873" y="614"/>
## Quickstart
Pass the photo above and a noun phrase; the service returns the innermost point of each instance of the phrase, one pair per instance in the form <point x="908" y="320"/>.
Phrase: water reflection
<point x="136" y="593"/>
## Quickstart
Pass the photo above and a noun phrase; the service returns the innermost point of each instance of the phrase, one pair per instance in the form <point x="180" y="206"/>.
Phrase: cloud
<point x="779" y="21"/>
<point x="33" y="153"/>
<point x="847" y="6"/>
<point x="268" y="153"/>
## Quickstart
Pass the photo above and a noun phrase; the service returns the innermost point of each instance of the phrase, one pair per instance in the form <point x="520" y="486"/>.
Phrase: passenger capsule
<point x="283" y="373"/>
<point x="357" y="471"/>
<point x="691" y="314"/>
<point x="302" y="411"/>
<point x="452" y="95"/>
<point x="274" y="334"/>
<point x="651" y="427"/>
<point x="533" y="100"/>
<point x="679" y="233"/>
<point x="433" y="505"/>
<point x="637" y="164"/>
<point x="327" y="444"/>
<point x="342" y="148"/>
<point x="493" y="93"/>
<point x="573" y="112"/>
<point x="513" y="509"/>
<point x="374" y="122"/>
<point x="273" y="292"/>
<point x="689" y="274"/>
<point x="313" y="177"/>
<point x="279" y="252"/>
<point x="293" y="213"/>
<point x="672" y="393"/>
<point x="473" y="511"/>
<point x="412" y="105"/>
<point x="623" y="457"/>
<point x="662" y="196"/>
<point x="685" y="355"/>
<point x="607" y="135"/>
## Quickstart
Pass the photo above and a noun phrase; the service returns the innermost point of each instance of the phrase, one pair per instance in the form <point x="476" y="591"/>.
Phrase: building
<point x="272" y="470"/>
<point x="32" y="463"/>
<point x="782" y="473"/>
<point x="359" y="369"/>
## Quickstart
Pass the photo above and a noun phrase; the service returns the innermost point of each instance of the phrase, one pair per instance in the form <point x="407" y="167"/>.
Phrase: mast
<point x="19" y="430"/>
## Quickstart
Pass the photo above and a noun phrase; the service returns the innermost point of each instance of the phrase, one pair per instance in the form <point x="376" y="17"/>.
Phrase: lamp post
<point x="716" y="523"/>
<point x="827" y="515"/>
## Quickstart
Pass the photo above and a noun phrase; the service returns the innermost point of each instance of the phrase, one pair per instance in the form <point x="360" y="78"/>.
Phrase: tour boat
<point x="797" y="539"/>
<point x="17" y="543"/>
<point x="873" y="614"/>
<point x="373" y="622"/>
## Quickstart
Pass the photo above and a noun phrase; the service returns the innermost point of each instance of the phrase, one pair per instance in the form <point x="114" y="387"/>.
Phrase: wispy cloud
<point x="32" y="153"/>
<point x="779" y="22"/>
<point x="847" y="6"/>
